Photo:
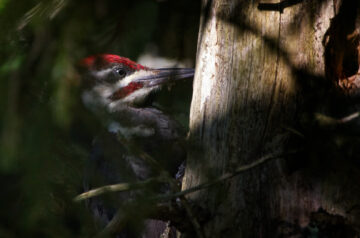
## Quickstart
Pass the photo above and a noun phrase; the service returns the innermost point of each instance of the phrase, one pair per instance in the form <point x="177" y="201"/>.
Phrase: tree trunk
<point x="260" y="77"/>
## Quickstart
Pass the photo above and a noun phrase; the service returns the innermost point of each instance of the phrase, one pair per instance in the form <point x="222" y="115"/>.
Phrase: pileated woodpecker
<point x="117" y="90"/>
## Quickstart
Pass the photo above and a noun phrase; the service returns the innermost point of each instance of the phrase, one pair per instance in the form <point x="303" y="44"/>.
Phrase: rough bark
<point x="261" y="70"/>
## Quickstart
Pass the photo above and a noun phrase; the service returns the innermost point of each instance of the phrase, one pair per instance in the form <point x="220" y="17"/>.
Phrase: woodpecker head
<point x="112" y="81"/>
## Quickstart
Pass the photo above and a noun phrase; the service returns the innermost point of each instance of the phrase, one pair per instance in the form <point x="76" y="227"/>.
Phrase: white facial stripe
<point x="133" y="98"/>
<point x="139" y="94"/>
<point x="130" y="78"/>
<point x="102" y="73"/>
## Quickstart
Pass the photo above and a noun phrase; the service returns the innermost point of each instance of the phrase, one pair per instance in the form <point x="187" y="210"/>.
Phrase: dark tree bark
<point x="261" y="90"/>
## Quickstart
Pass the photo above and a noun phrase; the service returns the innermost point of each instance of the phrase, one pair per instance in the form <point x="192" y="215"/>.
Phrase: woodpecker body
<point x="116" y="89"/>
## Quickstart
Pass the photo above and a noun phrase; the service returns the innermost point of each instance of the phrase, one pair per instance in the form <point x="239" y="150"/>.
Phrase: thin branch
<point x="294" y="131"/>
<point x="330" y="121"/>
<point x="224" y="177"/>
<point x="349" y="118"/>
<point x="120" y="187"/>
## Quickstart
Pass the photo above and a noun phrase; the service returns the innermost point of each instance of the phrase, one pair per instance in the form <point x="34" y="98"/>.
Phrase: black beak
<point x="165" y="75"/>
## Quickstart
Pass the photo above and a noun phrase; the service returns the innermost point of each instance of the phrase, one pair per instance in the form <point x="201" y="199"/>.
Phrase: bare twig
<point x="226" y="176"/>
<point x="120" y="187"/>
<point x="330" y="121"/>
<point x="349" y="118"/>
<point x="292" y="130"/>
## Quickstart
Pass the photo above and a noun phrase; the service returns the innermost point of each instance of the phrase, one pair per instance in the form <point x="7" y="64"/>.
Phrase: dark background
<point x="45" y="133"/>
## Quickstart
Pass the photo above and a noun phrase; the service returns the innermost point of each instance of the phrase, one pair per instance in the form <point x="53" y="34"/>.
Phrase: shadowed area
<point x="46" y="134"/>
<point x="268" y="94"/>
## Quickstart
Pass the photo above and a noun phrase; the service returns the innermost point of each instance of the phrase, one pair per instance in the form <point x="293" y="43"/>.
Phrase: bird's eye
<point x="121" y="72"/>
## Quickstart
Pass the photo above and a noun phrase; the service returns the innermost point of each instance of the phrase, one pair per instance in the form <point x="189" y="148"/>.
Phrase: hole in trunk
<point x="342" y="49"/>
